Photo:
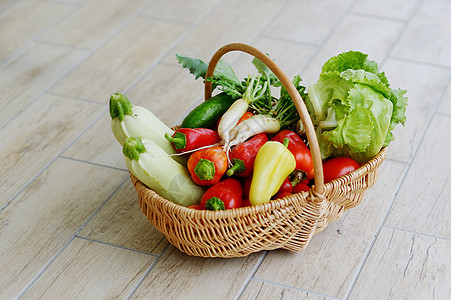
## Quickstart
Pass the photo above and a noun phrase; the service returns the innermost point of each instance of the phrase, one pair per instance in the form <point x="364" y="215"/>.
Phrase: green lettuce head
<point x="353" y="108"/>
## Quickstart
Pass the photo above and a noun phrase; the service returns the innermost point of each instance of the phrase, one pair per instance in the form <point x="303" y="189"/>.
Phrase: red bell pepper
<point x="188" y="139"/>
<point x="301" y="152"/>
<point x="243" y="155"/>
<point x="208" y="165"/>
<point x="225" y="194"/>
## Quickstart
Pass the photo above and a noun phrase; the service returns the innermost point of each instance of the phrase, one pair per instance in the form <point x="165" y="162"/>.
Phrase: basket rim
<point x="268" y="206"/>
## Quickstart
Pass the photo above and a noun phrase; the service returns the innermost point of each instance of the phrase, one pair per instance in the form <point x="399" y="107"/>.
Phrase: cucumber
<point x="208" y="112"/>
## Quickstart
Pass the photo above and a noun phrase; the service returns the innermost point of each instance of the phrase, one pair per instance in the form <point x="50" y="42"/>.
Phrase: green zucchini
<point x="208" y="112"/>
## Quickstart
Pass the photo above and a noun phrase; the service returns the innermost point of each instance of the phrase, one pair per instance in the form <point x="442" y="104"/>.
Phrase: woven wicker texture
<point x="287" y="223"/>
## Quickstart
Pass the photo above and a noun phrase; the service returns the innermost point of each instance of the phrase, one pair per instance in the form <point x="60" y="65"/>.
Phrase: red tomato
<point x="337" y="167"/>
<point x="300" y="187"/>
<point x="281" y="195"/>
<point x="301" y="152"/>
<point x="228" y="191"/>
<point x="286" y="186"/>
<point x="246" y="203"/>
<point x="247" y="186"/>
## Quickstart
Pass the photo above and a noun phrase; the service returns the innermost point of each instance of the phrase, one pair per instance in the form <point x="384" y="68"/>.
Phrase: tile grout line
<point x="138" y="284"/>
<point x="395" y="195"/>
<point x="251" y="275"/>
<point x="57" y="254"/>
<point x="92" y="163"/>
<point x="170" y="48"/>
<point x="401" y="32"/>
<point x="35" y="38"/>
<point x="367" y="253"/>
<point x="417" y="233"/>
<point x="76" y="65"/>
<point x="115" y="246"/>
<point x="39" y="173"/>
<point x="331" y="32"/>
<point x="297" y="289"/>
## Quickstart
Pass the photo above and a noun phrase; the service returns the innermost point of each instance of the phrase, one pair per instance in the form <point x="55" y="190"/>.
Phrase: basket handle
<point x="292" y="91"/>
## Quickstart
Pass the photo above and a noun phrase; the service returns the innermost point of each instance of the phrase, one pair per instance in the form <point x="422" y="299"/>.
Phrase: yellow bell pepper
<point x="273" y="163"/>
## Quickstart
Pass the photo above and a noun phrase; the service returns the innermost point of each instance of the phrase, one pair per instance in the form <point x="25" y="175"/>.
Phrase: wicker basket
<point x="287" y="223"/>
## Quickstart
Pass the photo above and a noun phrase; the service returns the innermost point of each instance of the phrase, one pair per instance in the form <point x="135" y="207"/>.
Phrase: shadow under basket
<point x="287" y="223"/>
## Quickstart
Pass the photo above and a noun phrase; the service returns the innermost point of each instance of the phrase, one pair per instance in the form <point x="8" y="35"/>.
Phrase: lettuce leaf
<point x="353" y="107"/>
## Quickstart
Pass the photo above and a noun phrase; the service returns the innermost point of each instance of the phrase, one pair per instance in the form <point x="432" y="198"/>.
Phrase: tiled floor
<point x="70" y="223"/>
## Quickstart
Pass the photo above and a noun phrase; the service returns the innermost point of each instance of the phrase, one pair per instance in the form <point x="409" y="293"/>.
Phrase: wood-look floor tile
<point x="424" y="85"/>
<point x="403" y="265"/>
<point x="369" y="35"/>
<point x="180" y="10"/>
<point x="427" y="37"/>
<point x="121" y="222"/>
<point x="178" y="276"/>
<point x="103" y="272"/>
<point x="169" y="92"/>
<point x="234" y="21"/>
<point x="41" y="219"/>
<point x="39" y="15"/>
<point x="257" y="289"/>
<point x="329" y="262"/>
<point x="445" y="104"/>
<point x="396" y="9"/>
<point x="98" y="145"/>
<point x="120" y="61"/>
<point x="290" y="57"/>
<point x="25" y="77"/>
<point x="307" y="21"/>
<point x="422" y="204"/>
<point x="33" y="139"/>
<point x="93" y="22"/>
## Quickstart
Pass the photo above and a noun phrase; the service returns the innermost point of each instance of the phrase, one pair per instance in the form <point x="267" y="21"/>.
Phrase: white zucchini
<point x="158" y="171"/>
<point x="128" y="120"/>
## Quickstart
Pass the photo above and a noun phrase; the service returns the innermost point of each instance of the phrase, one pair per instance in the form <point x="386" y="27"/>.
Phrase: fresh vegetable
<point x="206" y="114"/>
<point x="273" y="114"/>
<point x="230" y="118"/>
<point x="157" y="170"/>
<point x="243" y="156"/>
<point x="225" y="194"/>
<point x="286" y="186"/>
<point x="252" y="126"/>
<point x="273" y="164"/>
<point x="282" y="195"/>
<point x="301" y="152"/>
<point x="188" y="139"/>
<point x="337" y="167"/>
<point x="353" y="107"/>
<point x="196" y="206"/>
<point x="208" y="165"/>
<point x="246" y="186"/>
<point x="300" y="187"/>
<point x="128" y="120"/>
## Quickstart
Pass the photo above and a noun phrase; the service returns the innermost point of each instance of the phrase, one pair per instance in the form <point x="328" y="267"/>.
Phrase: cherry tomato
<point x="301" y="152"/>
<point x="246" y="187"/>
<point x="337" y="167"/>
<point x="281" y="195"/>
<point x="286" y="186"/>
<point x="300" y="187"/>
<point x="246" y="203"/>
